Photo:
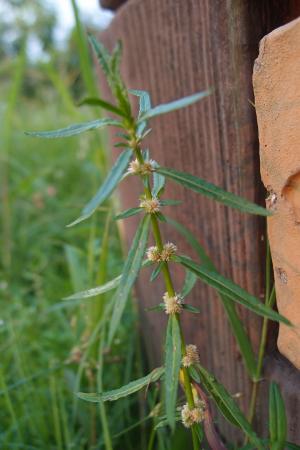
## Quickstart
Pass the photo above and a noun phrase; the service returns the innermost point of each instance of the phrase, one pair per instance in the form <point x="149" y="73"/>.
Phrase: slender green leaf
<point x="156" y="271"/>
<point x="172" y="365"/>
<point x="237" y="326"/>
<point x="112" y="284"/>
<point x="173" y="106"/>
<point x="159" y="182"/>
<point x="130" y="272"/>
<point x="170" y="202"/>
<point x="231" y="290"/>
<point x="160" y="216"/>
<point x="128" y="213"/>
<point x="156" y="308"/>
<point x="291" y="446"/>
<point x="75" y="129"/>
<point x="277" y="418"/>
<point x="189" y="283"/>
<point x="94" y="101"/>
<point x="190" y="308"/>
<point x="212" y="191"/>
<point x="227" y="405"/>
<point x="145" y="100"/>
<point x="107" y="187"/>
<point x="124" y="391"/>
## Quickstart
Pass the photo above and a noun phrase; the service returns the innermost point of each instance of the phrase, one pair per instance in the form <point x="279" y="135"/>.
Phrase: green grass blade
<point x="124" y="391"/>
<point x="214" y="192"/>
<point x="231" y="290"/>
<point x="172" y="365"/>
<point x="191" y="308"/>
<point x="131" y="269"/>
<point x="173" y="106"/>
<point x="128" y="213"/>
<point x="156" y="271"/>
<point x="86" y="68"/>
<point x="237" y="326"/>
<point x="170" y="202"/>
<point x="227" y="405"/>
<point x="74" y="129"/>
<point x="277" y="418"/>
<point x="94" y="101"/>
<point x="107" y="187"/>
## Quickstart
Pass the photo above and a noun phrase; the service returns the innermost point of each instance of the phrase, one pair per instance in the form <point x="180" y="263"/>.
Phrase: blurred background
<point x="51" y="348"/>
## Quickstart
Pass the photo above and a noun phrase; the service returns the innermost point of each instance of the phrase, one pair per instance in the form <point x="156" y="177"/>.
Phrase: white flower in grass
<point x="173" y="305"/>
<point x="150" y="205"/>
<point x="168" y="251"/>
<point x="190" y="416"/>
<point x="153" y="254"/>
<point x="191" y="357"/>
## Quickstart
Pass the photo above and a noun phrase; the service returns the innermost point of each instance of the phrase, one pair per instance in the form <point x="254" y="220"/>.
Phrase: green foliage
<point x="105" y="190"/>
<point x="124" y="391"/>
<point x="173" y="361"/>
<point x="75" y="129"/>
<point x="129" y="275"/>
<point x="214" y="192"/>
<point x="227" y="405"/>
<point x="94" y="101"/>
<point x="277" y="419"/>
<point x="231" y="290"/>
<point x="128" y="213"/>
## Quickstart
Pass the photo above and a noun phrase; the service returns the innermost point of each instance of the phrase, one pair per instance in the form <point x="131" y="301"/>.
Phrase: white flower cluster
<point x="136" y="168"/>
<point x="150" y="205"/>
<point x="154" y="255"/>
<point x="189" y="416"/>
<point x="173" y="304"/>
<point x="191" y="357"/>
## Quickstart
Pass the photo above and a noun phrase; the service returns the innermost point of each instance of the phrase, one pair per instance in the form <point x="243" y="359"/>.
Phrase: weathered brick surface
<point x="277" y="100"/>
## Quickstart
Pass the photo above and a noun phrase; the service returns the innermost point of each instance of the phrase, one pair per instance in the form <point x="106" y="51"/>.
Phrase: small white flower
<point x="153" y="254"/>
<point x="173" y="305"/>
<point x="136" y="168"/>
<point x="194" y="415"/>
<point x="168" y="251"/>
<point x="150" y="205"/>
<point x="191" y="357"/>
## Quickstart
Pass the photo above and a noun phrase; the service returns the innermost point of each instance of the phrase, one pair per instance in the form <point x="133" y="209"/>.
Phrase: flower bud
<point x="153" y="254"/>
<point x="150" y="205"/>
<point x="191" y="357"/>
<point x="173" y="305"/>
<point x="168" y="251"/>
<point x="193" y="415"/>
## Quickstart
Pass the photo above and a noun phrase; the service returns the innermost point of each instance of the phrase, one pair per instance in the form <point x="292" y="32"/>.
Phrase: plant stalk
<point x="171" y="292"/>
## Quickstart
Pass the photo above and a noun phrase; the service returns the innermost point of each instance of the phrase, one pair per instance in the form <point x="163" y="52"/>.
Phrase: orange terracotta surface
<point x="276" y="81"/>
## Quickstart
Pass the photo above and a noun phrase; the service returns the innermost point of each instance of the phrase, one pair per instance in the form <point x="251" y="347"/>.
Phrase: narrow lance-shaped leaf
<point x="75" y="129"/>
<point x="227" y="405"/>
<point x="277" y="419"/>
<point x="94" y="101"/>
<point x="144" y="100"/>
<point x="237" y="326"/>
<point x="124" y="391"/>
<point x="212" y="191"/>
<point x="189" y="283"/>
<point x="128" y="213"/>
<point x="131" y="269"/>
<point x="107" y="187"/>
<point x="159" y="182"/>
<point x="112" y="284"/>
<point x="172" y="367"/>
<point x="231" y="290"/>
<point x="174" y="105"/>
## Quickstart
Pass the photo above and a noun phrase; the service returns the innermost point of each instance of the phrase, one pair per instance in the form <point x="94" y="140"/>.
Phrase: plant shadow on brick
<point x="182" y="362"/>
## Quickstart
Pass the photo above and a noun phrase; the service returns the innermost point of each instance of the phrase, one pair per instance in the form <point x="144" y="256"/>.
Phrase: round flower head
<point x="151" y="205"/>
<point x="191" y="357"/>
<point x="193" y="415"/>
<point x="137" y="168"/>
<point x="153" y="254"/>
<point x="168" y="251"/>
<point x="173" y="305"/>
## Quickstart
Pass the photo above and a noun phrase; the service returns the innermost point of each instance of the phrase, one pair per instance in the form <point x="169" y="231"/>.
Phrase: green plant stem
<point x="269" y="301"/>
<point x="171" y="292"/>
